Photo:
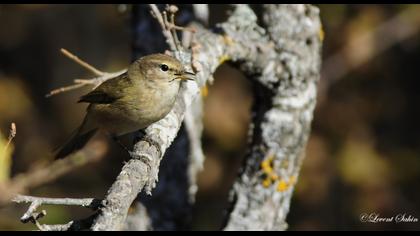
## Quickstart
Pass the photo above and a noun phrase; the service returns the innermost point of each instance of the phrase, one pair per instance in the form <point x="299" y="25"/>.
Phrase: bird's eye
<point x="164" y="67"/>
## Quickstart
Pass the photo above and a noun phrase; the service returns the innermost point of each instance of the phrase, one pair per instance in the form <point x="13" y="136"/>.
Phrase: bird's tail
<point x="77" y="141"/>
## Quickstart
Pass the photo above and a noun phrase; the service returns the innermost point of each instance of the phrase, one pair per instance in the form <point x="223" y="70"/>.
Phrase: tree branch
<point x="12" y="134"/>
<point x="100" y="75"/>
<point x="36" y="202"/>
<point x="84" y="202"/>
<point x="81" y="62"/>
<point x="22" y="182"/>
<point x="171" y="205"/>
<point x="33" y="216"/>
<point x="288" y="66"/>
<point x="142" y="170"/>
<point x="164" y="25"/>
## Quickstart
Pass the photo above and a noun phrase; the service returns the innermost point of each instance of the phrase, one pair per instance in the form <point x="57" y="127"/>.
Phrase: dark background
<point x="362" y="155"/>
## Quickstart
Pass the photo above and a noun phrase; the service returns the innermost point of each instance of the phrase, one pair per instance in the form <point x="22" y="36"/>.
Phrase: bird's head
<point x="160" y="68"/>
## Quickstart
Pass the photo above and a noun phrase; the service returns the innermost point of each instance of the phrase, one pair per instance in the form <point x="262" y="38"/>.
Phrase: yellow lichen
<point x="266" y="183"/>
<point x="266" y="165"/>
<point x="227" y="40"/>
<point x="282" y="186"/>
<point x="321" y="34"/>
<point x="274" y="177"/>
<point x="271" y="177"/>
<point x="292" y="180"/>
<point x="268" y="161"/>
<point x="204" y="91"/>
<point x="223" y="59"/>
<point x="267" y="168"/>
<point x="285" y="164"/>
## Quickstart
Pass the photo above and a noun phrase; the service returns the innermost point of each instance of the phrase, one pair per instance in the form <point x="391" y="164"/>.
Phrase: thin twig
<point x="70" y="226"/>
<point x="64" y="89"/>
<point x="168" y="26"/>
<point x="36" y="202"/>
<point x="12" y="134"/>
<point x="83" y="82"/>
<point x="156" y="14"/>
<point x="172" y="10"/>
<point x="62" y="227"/>
<point x="90" y="203"/>
<point x="32" y="216"/>
<point x="99" y="80"/>
<point x="170" y="32"/>
<point x="166" y="32"/>
<point x="30" y="212"/>
<point x="21" y="183"/>
<point x="177" y="27"/>
<point x="100" y="75"/>
<point x="81" y="62"/>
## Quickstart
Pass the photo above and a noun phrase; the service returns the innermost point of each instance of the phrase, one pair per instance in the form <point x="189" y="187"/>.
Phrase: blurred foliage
<point x="362" y="155"/>
<point x="6" y="150"/>
<point x="12" y="91"/>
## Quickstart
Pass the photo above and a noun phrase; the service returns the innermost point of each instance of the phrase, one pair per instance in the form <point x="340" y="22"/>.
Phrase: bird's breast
<point x="156" y="103"/>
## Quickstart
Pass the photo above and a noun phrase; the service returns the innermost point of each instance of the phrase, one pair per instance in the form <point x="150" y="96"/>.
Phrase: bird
<point x="132" y="101"/>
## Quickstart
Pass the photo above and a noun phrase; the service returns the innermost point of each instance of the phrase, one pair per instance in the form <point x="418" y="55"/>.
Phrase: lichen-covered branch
<point x="288" y="73"/>
<point x="142" y="170"/>
<point x="170" y="207"/>
<point x="194" y="125"/>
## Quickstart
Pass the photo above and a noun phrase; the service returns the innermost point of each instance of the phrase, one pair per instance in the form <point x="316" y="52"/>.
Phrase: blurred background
<point x="363" y="155"/>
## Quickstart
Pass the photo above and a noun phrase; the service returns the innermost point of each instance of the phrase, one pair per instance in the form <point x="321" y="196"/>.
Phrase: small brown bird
<point x="132" y="101"/>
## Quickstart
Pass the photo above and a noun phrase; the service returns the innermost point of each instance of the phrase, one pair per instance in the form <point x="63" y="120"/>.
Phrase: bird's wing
<point x="109" y="91"/>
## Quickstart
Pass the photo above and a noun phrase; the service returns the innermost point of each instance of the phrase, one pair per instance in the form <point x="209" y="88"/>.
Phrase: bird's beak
<point x="186" y="76"/>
